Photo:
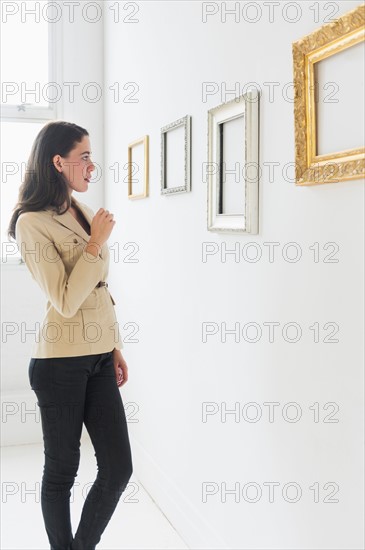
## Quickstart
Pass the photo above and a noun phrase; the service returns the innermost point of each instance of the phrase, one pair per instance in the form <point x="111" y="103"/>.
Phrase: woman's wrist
<point x="93" y="247"/>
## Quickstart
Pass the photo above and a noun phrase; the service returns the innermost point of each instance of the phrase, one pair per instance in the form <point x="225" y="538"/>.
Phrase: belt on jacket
<point x="101" y="283"/>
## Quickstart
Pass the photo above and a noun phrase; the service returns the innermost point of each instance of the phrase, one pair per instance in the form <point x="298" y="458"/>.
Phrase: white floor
<point x="137" y="522"/>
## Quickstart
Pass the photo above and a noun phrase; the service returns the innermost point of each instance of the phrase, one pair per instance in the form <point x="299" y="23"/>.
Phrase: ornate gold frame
<point x="145" y="142"/>
<point x="310" y="168"/>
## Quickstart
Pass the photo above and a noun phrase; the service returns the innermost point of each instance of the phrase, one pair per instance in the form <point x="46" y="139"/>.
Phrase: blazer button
<point x="75" y="240"/>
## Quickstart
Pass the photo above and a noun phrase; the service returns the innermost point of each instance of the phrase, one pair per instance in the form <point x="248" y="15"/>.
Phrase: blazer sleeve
<point x="66" y="293"/>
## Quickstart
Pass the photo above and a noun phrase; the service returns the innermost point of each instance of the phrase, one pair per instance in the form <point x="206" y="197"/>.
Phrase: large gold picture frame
<point x="330" y="39"/>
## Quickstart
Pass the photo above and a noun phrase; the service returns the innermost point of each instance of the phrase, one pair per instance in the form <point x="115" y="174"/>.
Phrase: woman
<point x="76" y="365"/>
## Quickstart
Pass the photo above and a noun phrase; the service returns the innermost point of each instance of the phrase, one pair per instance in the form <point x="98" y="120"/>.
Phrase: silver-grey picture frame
<point x="246" y="106"/>
<point x="185" y="185"/>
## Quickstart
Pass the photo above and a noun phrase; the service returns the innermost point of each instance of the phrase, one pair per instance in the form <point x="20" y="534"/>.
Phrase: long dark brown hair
<point x="43" y="186"/>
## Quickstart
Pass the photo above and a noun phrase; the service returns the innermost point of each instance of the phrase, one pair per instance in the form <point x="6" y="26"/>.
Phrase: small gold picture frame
<point x="138" y="170"/>
<point x="312" y="168"/>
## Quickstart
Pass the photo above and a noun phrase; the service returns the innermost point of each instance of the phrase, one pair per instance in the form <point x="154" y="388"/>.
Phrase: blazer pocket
<point x="91" y="328"/>
<point x="91" y="302"/>
<point x="70" y="247"/>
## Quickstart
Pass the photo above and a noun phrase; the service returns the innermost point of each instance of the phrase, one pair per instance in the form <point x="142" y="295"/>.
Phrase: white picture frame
<point x="245" y="106"/>
<point x="183" y="183"/>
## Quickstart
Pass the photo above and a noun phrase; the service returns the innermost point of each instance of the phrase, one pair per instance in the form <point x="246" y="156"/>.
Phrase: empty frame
<point x="233" y="165"/>
<point x="176" y="157"/>
<point x="138" y="168"/>
<point x="328" y="67"/>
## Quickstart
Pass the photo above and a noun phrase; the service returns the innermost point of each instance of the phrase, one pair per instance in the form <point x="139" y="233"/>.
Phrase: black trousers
<point x="72" y="391"/>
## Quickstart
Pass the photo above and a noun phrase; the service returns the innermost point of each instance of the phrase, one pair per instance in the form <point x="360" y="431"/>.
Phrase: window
<point x="30" y="97"/>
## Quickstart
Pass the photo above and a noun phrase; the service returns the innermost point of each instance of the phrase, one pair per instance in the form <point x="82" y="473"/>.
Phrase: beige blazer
<point x="80" y="318"/>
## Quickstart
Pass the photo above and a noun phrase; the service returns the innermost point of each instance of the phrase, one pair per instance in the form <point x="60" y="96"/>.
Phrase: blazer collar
<point x="71" y="223"/>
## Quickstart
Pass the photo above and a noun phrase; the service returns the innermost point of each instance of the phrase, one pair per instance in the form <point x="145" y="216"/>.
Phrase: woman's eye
<point x="85" y="157"/>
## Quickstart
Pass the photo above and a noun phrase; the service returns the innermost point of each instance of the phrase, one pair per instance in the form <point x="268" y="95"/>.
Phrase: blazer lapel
<point x="71" y="223"/>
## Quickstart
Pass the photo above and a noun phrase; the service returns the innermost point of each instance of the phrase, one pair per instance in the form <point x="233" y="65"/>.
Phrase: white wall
<point x="170" y="292"/>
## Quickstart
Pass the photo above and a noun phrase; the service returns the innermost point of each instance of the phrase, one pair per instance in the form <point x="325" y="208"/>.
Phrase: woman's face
<point x="77" y="166"/>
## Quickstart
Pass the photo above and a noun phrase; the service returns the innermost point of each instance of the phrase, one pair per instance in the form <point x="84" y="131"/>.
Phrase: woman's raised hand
<point x="101" y="226"/>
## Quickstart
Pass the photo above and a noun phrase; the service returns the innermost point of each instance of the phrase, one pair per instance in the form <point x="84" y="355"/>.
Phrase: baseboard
<point x="183" y="516"/>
